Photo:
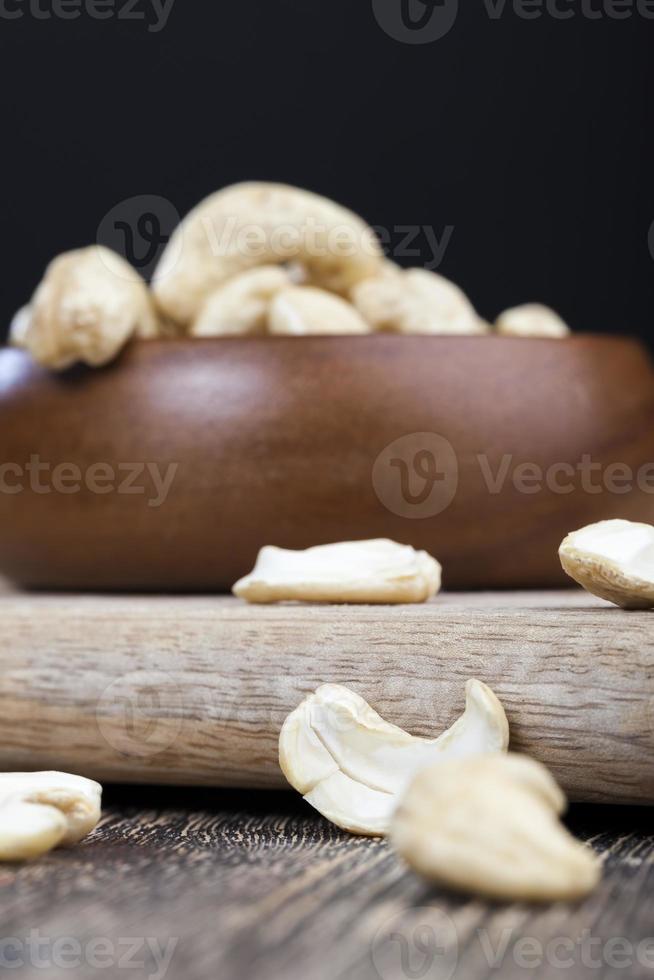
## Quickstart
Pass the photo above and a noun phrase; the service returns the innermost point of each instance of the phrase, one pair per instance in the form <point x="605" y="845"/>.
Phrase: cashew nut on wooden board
<point x="353" y="766"/>
<point x="613" y="560"/>
<point x="349" y="571"/>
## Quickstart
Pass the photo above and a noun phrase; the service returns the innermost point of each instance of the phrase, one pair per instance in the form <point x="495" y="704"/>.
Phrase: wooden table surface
<point x="208" y="884"/>
<point x="228" y="884"/>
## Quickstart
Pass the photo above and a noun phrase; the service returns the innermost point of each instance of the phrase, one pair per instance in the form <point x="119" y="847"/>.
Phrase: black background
<point x="532" y="138"/>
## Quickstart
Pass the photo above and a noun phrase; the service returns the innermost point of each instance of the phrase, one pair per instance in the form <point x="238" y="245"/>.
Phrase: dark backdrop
<point x="531" y="139"/>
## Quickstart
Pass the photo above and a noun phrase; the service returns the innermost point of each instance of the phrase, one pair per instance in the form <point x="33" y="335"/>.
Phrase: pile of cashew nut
<point x="252" y="259"/>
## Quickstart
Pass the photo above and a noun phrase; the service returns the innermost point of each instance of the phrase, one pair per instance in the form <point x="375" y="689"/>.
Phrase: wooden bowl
<point x="433" y="441"/>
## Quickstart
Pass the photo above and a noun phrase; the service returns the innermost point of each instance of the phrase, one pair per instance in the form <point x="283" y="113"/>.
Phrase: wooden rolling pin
<point x="193" y="690"/>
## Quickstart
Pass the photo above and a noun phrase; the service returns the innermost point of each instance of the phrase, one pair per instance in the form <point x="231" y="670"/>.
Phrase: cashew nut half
<point x="353" y="766"/>
<point x="489" y="825"/>
<point x="253" y="224"/>
<point x="241" y="305"/>
<point x="42" y="810"/>
<point x="307" y="310"/>
<point x="531" y="320"/>
<point x="613" y="560"/>
<point x="377" y="571"/>
<point x="88" y="305"/>
<point x="416" y="301"/>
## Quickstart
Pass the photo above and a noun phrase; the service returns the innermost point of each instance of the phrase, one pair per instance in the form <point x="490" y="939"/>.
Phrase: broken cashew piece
<point x="42" y="810"/>
<point x="416" y="301"/>
<point x="353" y="766"/>
<point x="89" y="304"/>
<point x="377" y="571"/>
<point x="613" y="560"/>
<point x="252" y="224"/>
<point x="303" y="310"/>
<point x="241" y="306"/>
<point x="489" y="825"/>
<point x="531" y="320"/>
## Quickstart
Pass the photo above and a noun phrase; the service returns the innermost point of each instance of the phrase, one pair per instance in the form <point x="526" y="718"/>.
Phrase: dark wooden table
<point x="217" y="885"/>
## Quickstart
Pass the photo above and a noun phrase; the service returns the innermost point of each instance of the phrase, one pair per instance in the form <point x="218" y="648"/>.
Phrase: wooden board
<point x="193" y="690"/>
<point x="237" y="886"/>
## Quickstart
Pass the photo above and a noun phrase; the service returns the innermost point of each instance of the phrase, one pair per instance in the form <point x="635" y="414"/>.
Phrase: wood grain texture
<point x="194" y="690"/>
<point x="257" y="887"/>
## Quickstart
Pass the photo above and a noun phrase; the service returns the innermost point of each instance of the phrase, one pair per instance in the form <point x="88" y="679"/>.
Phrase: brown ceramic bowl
<point x="301" y="441"/>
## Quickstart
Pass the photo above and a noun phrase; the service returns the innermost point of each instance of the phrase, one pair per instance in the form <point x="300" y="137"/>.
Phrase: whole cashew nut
<point x="354" y="767"/>
<point x="42" y="810"/>
<point x="252" y="224"/>
<point x="307" y="310"/>
<point x="241" y="305"/>
<point x="416" y="301"/>
<point x="490" y="825"/>
<point x="613" y="560"/>
<point x="531" y="320"/>
<point x="88" y="305"/>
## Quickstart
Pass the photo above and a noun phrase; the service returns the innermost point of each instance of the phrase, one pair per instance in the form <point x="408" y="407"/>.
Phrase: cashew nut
<point x="42" y="810"/>
<point x="307" y="310"/>
<point x="241" y="305"/>
<point x="416" y="301"/>
<point x="531" y="320"/>
<point x="253" y="224"/>
<point x="19" y="326"/>
<point x="353" y="766"/>
<point x="613" y="560"/>
<point x="90" y="302"/>
<point x="489" y="825"/>
<point x="378" y="571"/>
